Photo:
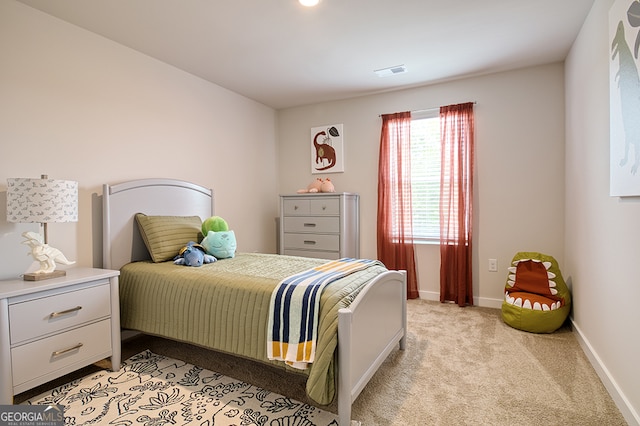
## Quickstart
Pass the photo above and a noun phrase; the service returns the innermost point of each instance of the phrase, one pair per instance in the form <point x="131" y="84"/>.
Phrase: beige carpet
<point x="462" y="366"/>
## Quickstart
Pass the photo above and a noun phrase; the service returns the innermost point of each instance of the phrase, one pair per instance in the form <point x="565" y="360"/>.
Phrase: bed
<point x="363" y="318"/>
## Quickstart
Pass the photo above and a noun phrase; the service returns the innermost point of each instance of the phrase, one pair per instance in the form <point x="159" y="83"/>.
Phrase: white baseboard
<point x="483" y="302"/>
<point x="486" y="302"/>
<point x="429" y="295"/>
<point x="627" y="410"/>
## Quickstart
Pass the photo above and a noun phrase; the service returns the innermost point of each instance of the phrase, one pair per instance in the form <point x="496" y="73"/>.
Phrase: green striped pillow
<point x="164" y="236"/>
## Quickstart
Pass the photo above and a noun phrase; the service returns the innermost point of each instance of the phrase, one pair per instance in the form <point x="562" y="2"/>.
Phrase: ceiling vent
<point x="385" y="72"/>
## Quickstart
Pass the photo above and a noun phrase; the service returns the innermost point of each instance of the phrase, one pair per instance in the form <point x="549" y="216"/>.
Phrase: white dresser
<point x="51" y="327"/>
<point x="323" y="225"/>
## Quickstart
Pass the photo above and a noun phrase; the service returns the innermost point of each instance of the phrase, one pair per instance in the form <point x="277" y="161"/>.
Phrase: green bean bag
<point x="536" y="298"/>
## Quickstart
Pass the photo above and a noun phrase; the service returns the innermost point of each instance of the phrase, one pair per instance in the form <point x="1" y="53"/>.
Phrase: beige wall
<point x="76" y="106"/>
<point x="602" y="232"/>
<point x="520" y="165"/>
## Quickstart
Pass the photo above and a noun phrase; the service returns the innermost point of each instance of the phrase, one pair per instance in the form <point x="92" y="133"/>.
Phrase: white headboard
<point x="122" y="242"/>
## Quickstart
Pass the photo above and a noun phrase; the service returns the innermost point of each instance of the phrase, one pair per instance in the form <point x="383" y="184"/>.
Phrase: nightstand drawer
<point x="312" y="242"/>
<point x="45" y="315"/>
<point x="46" y="356"/>
<point x="315" y="224"/>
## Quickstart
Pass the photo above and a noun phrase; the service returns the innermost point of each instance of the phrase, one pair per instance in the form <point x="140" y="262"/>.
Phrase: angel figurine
<point x="43" y="253"/>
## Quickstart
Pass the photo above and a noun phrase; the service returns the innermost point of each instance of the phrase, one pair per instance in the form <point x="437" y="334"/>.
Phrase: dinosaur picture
<point x="327" y="149"/>
<point x="624" y="80"/>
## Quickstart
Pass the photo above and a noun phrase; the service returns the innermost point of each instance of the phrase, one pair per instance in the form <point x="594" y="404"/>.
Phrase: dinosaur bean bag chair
<point x="536" y="298"/>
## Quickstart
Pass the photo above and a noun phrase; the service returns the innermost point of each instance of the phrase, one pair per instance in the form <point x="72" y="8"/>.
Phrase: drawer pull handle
<point x="310" y="225"/>
<point x="309" y="242"/>
<point x="64" y="351"/>
<point x="68" y="311"/>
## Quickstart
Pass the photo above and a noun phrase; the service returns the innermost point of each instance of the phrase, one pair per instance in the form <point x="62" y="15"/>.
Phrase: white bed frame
<point x="368" y="330"/>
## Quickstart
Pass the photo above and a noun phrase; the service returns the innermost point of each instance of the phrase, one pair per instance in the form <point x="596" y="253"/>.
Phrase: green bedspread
<point x="225" y="305"/>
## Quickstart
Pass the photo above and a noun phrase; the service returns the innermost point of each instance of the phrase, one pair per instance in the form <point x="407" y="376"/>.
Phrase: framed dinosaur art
<point x="327" y="149"/>
<point x="624" y="79"/>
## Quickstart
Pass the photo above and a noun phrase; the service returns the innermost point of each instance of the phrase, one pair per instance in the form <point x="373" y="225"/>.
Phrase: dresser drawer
<point x="311" y="206"/>
<point x="329" y="255"/>
<point x="294" y="207"/>
<point x="315" y="224"/>
<point x="45" y="315"/>
<point x="325" y="206"/>
<point x="312" y="242"/>
<point x="54" y="353"/>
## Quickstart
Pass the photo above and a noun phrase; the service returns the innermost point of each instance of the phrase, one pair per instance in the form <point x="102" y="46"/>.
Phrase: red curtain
<point x="394" y="230"/>
<point x="456" y="203"/>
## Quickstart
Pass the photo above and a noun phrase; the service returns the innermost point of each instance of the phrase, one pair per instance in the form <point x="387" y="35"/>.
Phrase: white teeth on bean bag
<point x="534" y="306"/>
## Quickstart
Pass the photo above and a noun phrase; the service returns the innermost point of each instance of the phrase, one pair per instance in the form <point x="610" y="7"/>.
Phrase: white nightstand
<point x="52" y="327"/>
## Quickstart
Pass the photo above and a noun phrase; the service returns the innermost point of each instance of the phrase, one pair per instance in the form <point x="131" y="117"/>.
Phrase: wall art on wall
<point x="327" y="149"/>
<point x="624" y="93"/>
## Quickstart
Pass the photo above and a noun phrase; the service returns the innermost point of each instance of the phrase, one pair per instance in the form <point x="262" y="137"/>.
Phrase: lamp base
<point x="44" y="276"/>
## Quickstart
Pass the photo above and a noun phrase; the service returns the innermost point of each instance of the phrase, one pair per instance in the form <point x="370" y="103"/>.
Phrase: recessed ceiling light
<point x="385" y="72"/>
<point x="309" y="3"/>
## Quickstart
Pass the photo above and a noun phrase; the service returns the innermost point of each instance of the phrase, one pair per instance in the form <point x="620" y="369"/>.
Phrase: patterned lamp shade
<point x="41" y="200"/>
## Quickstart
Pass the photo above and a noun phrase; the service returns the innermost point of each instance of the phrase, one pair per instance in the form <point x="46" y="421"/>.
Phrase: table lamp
<point x="42" y="201"/>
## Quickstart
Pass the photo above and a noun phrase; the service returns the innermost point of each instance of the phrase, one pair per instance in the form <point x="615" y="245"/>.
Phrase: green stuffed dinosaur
<point x="218" y="240"/>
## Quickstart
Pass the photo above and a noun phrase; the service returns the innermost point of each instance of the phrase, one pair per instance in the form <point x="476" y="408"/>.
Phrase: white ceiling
<point x="282" y="54"/>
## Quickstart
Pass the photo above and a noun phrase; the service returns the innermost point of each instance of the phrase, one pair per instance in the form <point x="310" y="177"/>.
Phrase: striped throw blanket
<point x="294" y="310"/>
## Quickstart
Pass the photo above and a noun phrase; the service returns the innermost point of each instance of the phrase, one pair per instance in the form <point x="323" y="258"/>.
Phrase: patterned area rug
<point x="154" y="390"/>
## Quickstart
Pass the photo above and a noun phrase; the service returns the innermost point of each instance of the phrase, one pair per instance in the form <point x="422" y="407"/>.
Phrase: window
<point x="425" y="175"/>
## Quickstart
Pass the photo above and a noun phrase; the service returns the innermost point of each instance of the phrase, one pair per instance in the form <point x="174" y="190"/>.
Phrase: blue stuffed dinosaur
<point x="193" y="254"/>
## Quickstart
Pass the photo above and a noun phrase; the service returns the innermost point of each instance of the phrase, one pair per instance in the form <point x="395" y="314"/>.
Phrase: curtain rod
<point x="426" y="109"/>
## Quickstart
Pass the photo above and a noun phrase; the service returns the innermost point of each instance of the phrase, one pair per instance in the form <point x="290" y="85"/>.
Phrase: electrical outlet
<point x="493" y="265"/>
